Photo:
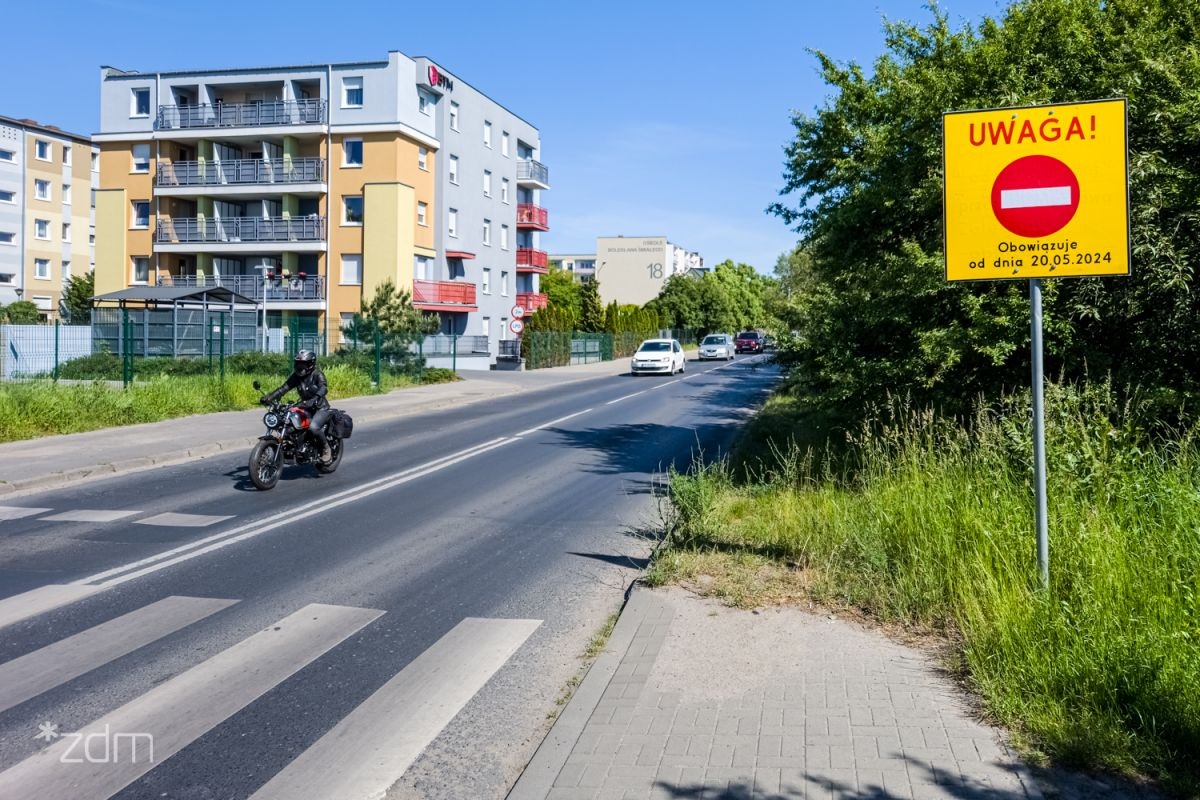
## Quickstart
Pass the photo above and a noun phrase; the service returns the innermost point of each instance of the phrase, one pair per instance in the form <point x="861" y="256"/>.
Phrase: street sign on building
<point x="1036" y="192"/>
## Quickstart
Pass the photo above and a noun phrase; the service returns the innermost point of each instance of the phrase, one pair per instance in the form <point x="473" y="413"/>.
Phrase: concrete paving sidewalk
<point x="50" y="461"/>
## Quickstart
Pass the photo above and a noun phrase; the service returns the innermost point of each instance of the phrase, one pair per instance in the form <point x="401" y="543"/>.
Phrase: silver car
<point x="716" y="345"/>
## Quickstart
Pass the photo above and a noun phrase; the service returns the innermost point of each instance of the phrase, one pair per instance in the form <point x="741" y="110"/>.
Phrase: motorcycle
<point x="288" y="440"/>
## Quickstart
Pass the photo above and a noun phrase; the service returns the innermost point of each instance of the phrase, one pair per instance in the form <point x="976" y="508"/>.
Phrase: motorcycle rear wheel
<point x="335" y="449"/>
<point x="265" y="465"/>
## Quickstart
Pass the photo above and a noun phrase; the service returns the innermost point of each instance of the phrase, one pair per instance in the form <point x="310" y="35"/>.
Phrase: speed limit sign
<point x="516" y="326"/>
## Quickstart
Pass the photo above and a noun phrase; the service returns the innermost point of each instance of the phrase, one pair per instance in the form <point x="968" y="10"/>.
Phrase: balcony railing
<point x="532" y="301"/>
<point x="231" y="230"/>
<point x="240" y="172"/>
<point x="293" y="287"/>
<point x="444" y="293"/>
<point x="530" y="171"/>
<point x="531" y="216"/>
<point x="242" y="115"/>
<point x="530" y="260"/>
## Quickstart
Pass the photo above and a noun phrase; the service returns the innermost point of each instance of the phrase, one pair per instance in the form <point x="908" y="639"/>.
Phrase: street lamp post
<point x="266" y="270"/>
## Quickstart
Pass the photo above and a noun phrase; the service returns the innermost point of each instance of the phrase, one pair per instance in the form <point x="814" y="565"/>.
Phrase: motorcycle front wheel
<point x="265" y="465"/>
<point x="335" y="449"/>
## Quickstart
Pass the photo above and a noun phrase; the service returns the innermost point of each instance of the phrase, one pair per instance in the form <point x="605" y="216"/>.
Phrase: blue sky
<point x="657" y="118"/>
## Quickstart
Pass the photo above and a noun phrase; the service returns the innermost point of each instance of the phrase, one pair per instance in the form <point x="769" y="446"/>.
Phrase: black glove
<point x="265" y="400"/>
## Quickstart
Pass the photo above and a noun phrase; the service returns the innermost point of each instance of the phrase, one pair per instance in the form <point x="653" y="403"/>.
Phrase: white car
<point x="662" y="356"/>
<point x="716" y="345"/>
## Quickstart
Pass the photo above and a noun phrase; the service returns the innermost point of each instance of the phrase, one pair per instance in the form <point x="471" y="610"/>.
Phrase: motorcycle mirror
<point x="256" y="385"/>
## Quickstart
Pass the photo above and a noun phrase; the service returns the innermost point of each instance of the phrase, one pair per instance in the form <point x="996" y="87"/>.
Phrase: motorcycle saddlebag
<point x="341" y="424"/>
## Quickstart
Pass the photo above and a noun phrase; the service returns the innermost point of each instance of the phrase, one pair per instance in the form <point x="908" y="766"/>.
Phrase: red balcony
<point x="532" y="217"/>
<point x="444" y="296"/>
<point x="530" y="260"/>
<point x="531" y="301"/>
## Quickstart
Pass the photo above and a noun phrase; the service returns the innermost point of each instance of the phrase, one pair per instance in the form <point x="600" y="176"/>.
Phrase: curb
<point x="537" y="779"/>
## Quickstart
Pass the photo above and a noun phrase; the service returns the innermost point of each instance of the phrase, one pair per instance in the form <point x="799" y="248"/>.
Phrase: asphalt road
<point x="406" y="624"/>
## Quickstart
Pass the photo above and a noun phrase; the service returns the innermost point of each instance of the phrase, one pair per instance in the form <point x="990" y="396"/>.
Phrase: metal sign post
<point x="1039" y="432"/>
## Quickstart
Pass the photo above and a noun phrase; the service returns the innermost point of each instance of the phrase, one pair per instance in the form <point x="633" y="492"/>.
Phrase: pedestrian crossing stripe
<point x="169" y="518"/>
<point x="360" y="757"/>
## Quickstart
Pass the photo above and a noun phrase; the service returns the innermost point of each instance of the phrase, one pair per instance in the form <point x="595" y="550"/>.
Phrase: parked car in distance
<point x="749" y="342"/>
<point x="768" y="343"/>
<point x="661" y="356"/>
<point x="716" y="345"/>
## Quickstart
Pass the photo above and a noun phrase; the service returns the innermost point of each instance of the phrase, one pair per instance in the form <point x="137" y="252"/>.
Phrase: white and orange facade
<point x="302" y="188"/>
<point x="46" y="181"/>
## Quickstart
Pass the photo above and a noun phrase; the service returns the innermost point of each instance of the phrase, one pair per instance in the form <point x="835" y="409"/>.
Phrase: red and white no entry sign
<point x="1035" y="196"/>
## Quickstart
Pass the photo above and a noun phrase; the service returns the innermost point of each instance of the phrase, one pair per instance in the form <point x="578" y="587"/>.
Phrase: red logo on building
<point x="436" y="78"/>
<point x="433" y="75"/>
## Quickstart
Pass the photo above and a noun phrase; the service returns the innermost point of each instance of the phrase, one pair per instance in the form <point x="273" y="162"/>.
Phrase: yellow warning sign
<point x="1036" y="192"/>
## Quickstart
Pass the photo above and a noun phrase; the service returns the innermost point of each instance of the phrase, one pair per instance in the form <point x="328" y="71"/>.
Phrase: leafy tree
<point x="21" y="312"/>
<point x="863" y="177"/>
<point x="390" y="311"/>
<point x="591" y="310"/>
<point x="562" y="291"/>
<point x="77" y="294"/>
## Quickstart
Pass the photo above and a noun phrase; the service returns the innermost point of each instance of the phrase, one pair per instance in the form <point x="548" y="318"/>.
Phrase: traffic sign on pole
<point x="516" y="326"/>
<point x="1036" y="192"/>
<point x="517" y="312"/>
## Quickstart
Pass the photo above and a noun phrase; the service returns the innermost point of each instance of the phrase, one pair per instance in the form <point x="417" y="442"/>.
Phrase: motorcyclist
<point x="309" y="381"/>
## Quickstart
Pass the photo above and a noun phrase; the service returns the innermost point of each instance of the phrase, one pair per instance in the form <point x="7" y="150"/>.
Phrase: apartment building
<point x="46" y="217"/>
<point x="582" y="266"/>
<point x="304" y="188"/>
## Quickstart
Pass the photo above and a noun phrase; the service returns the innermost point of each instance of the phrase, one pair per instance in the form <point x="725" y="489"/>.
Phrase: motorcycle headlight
<point x="271" y="419"/>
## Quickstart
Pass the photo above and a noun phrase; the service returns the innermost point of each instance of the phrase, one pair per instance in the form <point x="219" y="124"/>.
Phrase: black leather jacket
<point x="312" y="389"/>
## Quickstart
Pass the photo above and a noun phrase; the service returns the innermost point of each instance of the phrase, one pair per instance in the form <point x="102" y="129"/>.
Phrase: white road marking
<point x="171" y="519"/>
<point x="370" y="748"/>
<point x="55" y="664"/>
<point x="184" y="708"/>
<point x="16" y="512"/>
<point x="551" y="422"/>
<point x="626" y="397"/>
<point x="40" y="600"/>
<point x="1035" y="198"/>
<point x="90" y="515"/>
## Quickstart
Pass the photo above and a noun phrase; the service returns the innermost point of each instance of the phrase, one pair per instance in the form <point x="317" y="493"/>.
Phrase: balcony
<point x="532" y="301"/>
<point x="309" y="288"/>
<point x="532" y="217"/>
<point x="240" y="172"/>
<point x="530" y="260"/>
<point x="444" y="296"/>
<point x="241" y="231"/>
<point x="533" y="174"/>
<point x="270" y="113"/>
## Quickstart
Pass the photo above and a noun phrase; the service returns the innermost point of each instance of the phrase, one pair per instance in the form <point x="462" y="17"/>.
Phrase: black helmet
<point x="305" y="363"/>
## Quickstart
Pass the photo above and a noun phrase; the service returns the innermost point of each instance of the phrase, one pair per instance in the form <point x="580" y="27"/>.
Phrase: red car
<point x="748" y="342"/>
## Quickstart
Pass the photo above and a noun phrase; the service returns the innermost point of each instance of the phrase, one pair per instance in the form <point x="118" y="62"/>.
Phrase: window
<point x="140" y="269"/>
<point x="7" y="237"/>
<point x="486" y="285"/>
<point x="453" y="115"/>
<point x="347" y="323"/>
<point x="453" y="169"/>
<point x="485" y="326"/>
<point x="452" y="222"/>
<point x="352" y="269"/>
<point x="41" y="189"/>
<point x="422" y="267"/>
<point x="504" y="190"/>
<point x="65" y="272"/>
<point x="7" y="155"/>
<point x="141" y="214"/>
<point x="504" y="283"/>
<point x="42" y="151"/>
<point x="487" y="183"/>
<point x="139" y="102"/>
<point x="504" y="144"/>
<point x="141" y="158"/>
<point x="422" y="213"/>
<point x="7" y="197"/>
<point x="352" y="211"/>
<point x="41" y="269"/>
<point x="352" y="92"/>
<point x="487" y="232"/>
<point x="352" y="153"/>
<point x="503" y="237"/>
<point x="41" y="229"/>
<point x="487" y="134"/>
<point x="66" y="193"/>
<point x="425" y="102"/>
<point x="95" y="162"/>
<point x="66" y="231"/>
<point x="67" y="155"/>
<point x="423" y="158"/>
